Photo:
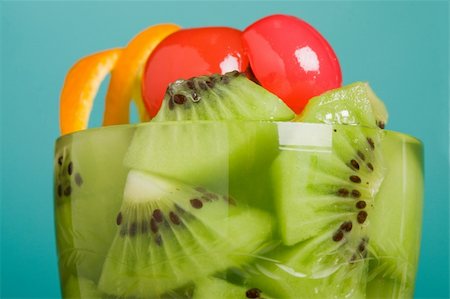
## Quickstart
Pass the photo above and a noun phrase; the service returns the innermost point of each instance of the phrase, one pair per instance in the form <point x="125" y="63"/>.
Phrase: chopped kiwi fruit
<point x="394" y="230"/>
<point x="170" y="234"/>
<point x="353" y="104"/>
<point x="216" y="155"/>
<point x="79" y="287"/>
<point x="319" y="190"/>
<point x="221" y="97"/>
<point x="211" y="287"/>
<point x="87" y="197"/>
<point x="324" y="190"/>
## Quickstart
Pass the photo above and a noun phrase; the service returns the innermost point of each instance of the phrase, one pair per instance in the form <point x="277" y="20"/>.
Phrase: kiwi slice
<point x="353" y="104"/>
<point x="324" y="193"/>
<point x="211" y="287"/>
<point x="79" y="287"/>
<point x="221" y="97"/>
<point x="87" y="197"/>
<point x="169" y="234"/>
<point x="211" y="154"/>
<point x="395" y="223"/>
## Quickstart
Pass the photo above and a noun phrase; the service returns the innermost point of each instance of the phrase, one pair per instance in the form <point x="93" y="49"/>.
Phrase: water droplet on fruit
<point x="196" y="203"/>
<point x="362" y="215"/>
<point x="174" y="218"/>
<point x="253" y="293"/>
<point x="355" y="179"/>
<point x="354" y="164"/>
<point x="361" y="204"/>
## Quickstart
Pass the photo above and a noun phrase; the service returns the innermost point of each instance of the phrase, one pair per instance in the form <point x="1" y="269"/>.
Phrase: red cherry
<point x="291" y="59"/>
<point x="189" y="53"/>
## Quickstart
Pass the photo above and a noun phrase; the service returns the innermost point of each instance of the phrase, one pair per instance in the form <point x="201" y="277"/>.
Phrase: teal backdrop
<point x="401" y="48"/>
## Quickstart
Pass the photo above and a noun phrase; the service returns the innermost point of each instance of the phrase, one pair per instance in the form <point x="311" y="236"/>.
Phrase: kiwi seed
<point x="370" y="166"/>
<point x="361" y="155"/>
<point x="158" y="215"/>
<point x="343" y="192"/>
<point x="196" y="203"/>
<point x="355" y="179"/>
<point x="119" y="218"/>
<point x="380" y="124"/>
<point x="60" y="160"/>
<point x="179" y="99"/>
<point x="362" y="246"/>
<point x="361" y="204"/>
<point x="68" y="191"/>
<point x="356" y="193"/>
<point x="174" y="218"/>
<point x="339" y="235"/>
<point x="60" y="190"/>
<point x="70" y="168"/>
<point x="153" y="225"/>
<point x="346" y="226"/>
<point x="133" y="229"/>
<point x="354" y="164"/>
<point x="371" y="143"/>
<point x="78" y="179"/>
<point x="229" y="200"/>
<point x="200" y="189"/>
<point x="362" y="215"/>
<point x="144" y="226"/>
<point x="253" y="293"/>
<point x="158" y="240"/>
<point x="190" y="84"/>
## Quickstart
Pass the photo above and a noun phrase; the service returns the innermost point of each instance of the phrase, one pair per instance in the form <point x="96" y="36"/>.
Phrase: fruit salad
<point x="252" y="173"/>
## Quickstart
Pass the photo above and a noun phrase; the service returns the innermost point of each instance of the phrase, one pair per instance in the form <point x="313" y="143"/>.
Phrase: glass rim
<point x="92" y="130"/>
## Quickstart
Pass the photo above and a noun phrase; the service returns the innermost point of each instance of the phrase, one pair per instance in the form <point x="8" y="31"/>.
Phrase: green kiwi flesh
<point x="211" y="154"/>
<point x="170" y="234"/>
<point x="395" y="223"/>
<point x="87" y="197"/>
<point x="79" y="287"/>
<point x="221" y="97"/>
<point x="353" y="104"/>
<point x="211" y="287"/>
<point x="324" y="195"/>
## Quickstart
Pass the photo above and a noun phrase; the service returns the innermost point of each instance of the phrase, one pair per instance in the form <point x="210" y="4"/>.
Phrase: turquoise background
<point x="401" y="48"/>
